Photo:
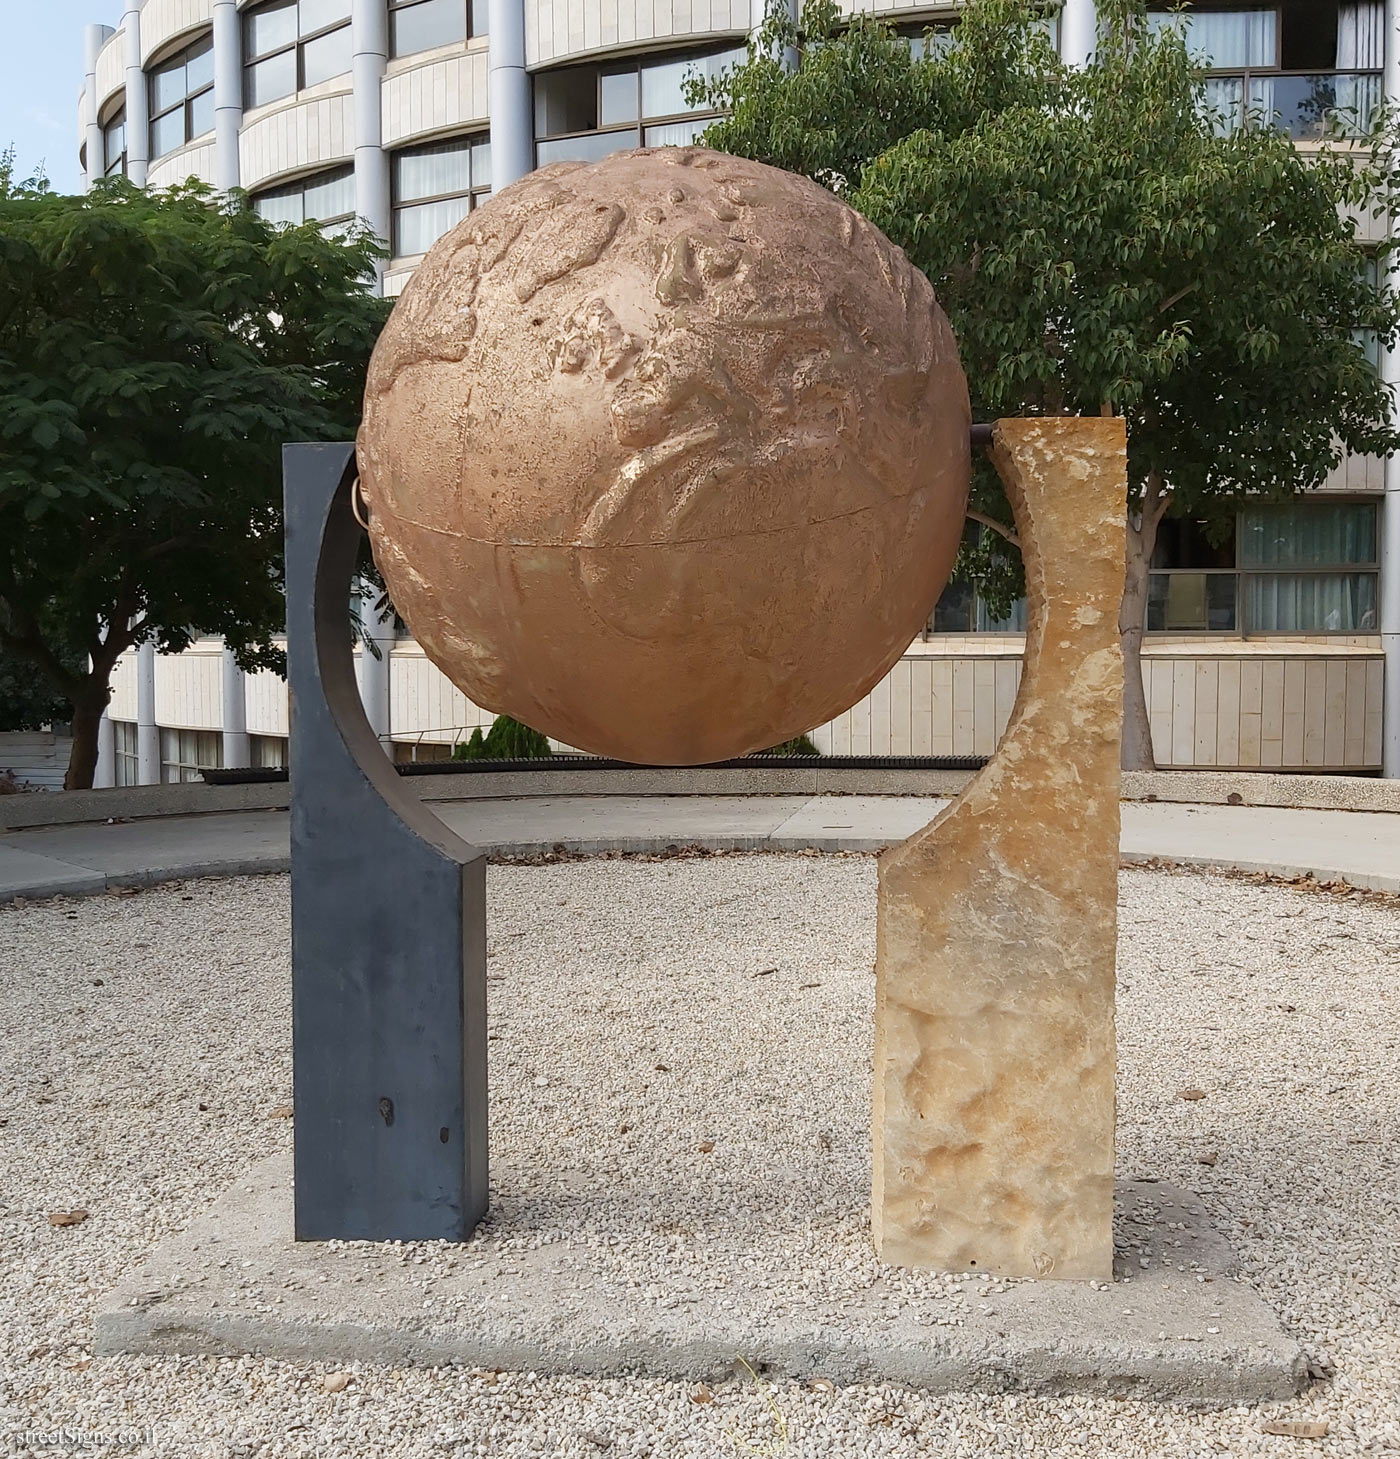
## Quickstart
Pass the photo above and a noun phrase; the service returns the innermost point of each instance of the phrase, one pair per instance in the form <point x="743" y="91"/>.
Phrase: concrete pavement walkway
<point x="1361" y="848"/>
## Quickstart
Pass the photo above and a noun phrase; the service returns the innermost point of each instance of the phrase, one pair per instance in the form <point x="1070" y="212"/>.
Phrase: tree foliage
<point x="27" y="700"/>
<point x="156" y="351"/>
<point x="507" y="739"/>
<point x="1102" y="243"/>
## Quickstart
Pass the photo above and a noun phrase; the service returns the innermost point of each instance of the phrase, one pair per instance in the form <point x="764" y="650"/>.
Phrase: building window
<point x="1306" y="567"/>
<point x="126" y="764"/>
<point x="1311" y="78"/>
<point x="289" y="45"/>
<point x="185" y="753"/>
<point x="420" y="25"/>
<point x="114" y="146"/>
<point x="435" y="188"/>
<point x="267" y="752"/>
<point x="583" y="113"/>
<point x="934" y="37"/>
<point x="325" y="198"/>
<point x="962" y="608"/>
<point x="182" y="97"/>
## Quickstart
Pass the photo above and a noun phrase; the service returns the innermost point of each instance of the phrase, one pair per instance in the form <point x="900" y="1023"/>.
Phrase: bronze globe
<point x="666" y="456"/>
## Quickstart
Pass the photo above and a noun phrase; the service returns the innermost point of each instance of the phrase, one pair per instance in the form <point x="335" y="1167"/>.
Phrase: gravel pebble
<point x="681" y="1052"/>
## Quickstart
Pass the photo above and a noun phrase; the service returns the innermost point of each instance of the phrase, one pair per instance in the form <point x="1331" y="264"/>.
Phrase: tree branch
<point x="1000" y="528"/>
<point x="1155" y="501"/>
<point x="1176" y="298"/>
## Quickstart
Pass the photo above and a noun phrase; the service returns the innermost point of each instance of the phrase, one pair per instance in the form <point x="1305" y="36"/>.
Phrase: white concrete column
<point x="228" y="92"/>
<point x="238" y="751"/>
<point x="147" y="735"/>
<point x="94" y="38"/>
<point x="138" y="114"/>
<point x="1390" y="514"/>
<point x="511" y="95"/>
<point x="758" y="13"/>
<point x="1079" y="31"/>
<point x="105" y="776"/>
<point x="369" y="29"/>
<point x="374" y="672"/>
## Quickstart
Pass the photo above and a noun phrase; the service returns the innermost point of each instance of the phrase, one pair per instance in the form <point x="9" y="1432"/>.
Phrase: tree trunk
<point x="82" y="759"/>
<point x="1142" y="538"/>
<point x="1137" y="728"/>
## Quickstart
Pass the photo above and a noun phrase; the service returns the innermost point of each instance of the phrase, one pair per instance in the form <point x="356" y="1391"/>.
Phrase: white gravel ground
<point x="143" y="1047"/>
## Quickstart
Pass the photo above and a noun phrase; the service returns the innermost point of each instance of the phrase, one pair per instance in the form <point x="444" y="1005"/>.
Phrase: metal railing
<point x="1310" y="106"/>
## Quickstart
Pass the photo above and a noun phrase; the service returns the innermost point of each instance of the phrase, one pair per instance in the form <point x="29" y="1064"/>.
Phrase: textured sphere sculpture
<point x="666" y="456"/>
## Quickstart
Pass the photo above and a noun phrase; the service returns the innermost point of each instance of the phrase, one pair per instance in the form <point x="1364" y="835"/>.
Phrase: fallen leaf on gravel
<point x="821" y="1385"/>
<point x="663" y="1068"/>
<point x="277" y="1112"/>
<point x="701" y="1394"/>
<point x="1190" y="1094"/>
<point x="1295" y="1428"/>
<point x="336" y="1382"/>
<point x="1207" y="1157"/>
<point x="1287" y="1008"/>
<point x="765" y="972"/>
<point x="67" y="1218"/>
<point x="706" y="1146"/>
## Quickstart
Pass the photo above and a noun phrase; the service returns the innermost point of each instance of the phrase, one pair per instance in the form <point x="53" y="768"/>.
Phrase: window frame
<point x="202" y="45"/>
<point x="339" y="173"/>
<point x="947" y="25"/>
<point x="1241" y="573"/>
<point x="1246" y="111"/>
<point x="118" y="118"/>
<point x="473" y="192"/>
<point x="202" y="751"/>
<point x="640" y="123"/>
<point x="126" y="758"/>
<point x="470" y="32"/>
<point x="298" y="44"/>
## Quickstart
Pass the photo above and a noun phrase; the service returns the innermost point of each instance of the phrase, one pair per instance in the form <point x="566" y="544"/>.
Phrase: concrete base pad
<point x="235" y="1282"/>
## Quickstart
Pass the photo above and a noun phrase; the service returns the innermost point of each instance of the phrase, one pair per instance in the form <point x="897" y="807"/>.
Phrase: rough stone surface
<point x="667" y="455"/>
<point x="549" y="1309"/>
<point x="994" y="1040"/>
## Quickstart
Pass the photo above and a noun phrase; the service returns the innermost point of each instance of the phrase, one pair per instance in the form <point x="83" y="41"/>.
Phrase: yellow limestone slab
<point x="994" y="1032"/>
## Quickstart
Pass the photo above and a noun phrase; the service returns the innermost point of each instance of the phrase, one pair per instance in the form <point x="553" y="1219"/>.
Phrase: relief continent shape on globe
<point x="666" y="456"/>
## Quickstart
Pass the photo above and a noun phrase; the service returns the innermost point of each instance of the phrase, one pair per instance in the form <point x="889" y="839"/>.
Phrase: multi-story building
<point x="1279" y="648"/>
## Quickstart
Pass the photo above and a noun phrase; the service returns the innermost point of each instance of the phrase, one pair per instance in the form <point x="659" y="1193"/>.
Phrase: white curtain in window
<point x="1228" y="40"/>
<point x="1310" y="602"/>
<point x="1308" y="534"/>
<point x="432" y="172"/>
<point x="1361" y="36"/>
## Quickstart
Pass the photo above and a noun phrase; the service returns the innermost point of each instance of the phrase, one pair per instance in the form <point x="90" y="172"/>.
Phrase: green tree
<point x="156" y="350"/>
<point x="507" y="739"/>
<point x="1102" y="244"/>
<point x="27" y="701"/>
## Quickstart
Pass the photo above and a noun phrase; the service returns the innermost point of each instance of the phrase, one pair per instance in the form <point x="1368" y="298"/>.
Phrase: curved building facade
<point x="401" y="112"/>
<point x="406" y="113"/>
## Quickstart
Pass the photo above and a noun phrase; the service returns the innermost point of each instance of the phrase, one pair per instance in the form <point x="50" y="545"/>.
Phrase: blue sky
<point x="41" y="69"/>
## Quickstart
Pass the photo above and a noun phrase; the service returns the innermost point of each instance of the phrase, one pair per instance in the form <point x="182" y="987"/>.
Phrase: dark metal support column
<point x="388" y="929"/>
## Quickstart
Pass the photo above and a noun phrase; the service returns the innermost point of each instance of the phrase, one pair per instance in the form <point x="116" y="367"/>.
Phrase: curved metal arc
<point x="336" y="557"/>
